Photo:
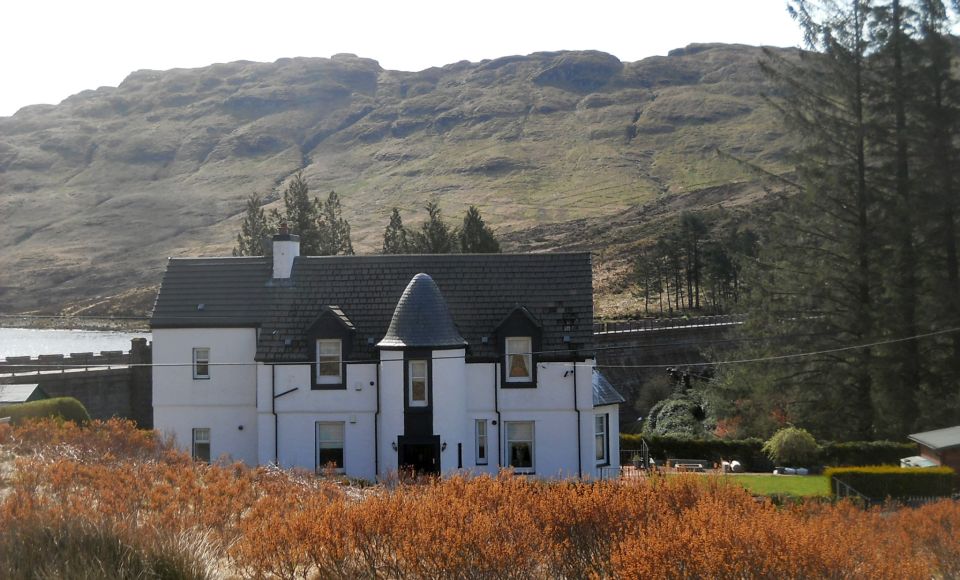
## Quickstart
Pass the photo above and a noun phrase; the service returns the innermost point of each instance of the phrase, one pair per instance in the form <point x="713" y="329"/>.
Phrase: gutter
<point x="273" y="409"/>
<point x="576" y="407"/>
<point x="376" y="428"/>
<point x="496" y="407"/>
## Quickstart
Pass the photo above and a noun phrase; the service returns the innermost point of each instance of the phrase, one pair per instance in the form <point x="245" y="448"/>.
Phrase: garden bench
<point x="689" y="464"/>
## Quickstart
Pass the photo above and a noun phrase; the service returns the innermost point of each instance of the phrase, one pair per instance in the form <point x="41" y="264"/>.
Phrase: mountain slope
<point x="95" y="192"/>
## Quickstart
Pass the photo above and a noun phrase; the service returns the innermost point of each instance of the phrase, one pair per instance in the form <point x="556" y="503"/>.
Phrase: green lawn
<point x="795" y="485"/>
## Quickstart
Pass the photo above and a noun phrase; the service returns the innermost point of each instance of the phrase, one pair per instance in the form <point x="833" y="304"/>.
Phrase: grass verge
<point x="793" y="485"/>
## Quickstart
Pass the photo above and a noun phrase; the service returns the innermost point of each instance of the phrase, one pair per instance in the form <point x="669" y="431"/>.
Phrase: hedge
<point x="749" y="451"/>
<point x="853" y="453"/>
<point x="881" y="482"/>
<point x="66" y="408"/>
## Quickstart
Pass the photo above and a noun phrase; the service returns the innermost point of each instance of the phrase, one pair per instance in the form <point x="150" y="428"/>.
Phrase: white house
<point x="369" y="363"/>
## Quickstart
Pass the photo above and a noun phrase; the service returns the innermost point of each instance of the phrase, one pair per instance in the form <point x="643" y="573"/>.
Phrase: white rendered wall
<point x="481" y="380"/>
<point x="228" y="442"/>
<point x="223" y="403"/>
<point x="613" y="427"/>
<point x="550" y="405"/>
<point x="584" y="370"/>
<point x="299" y="407"/>
<point x="450" y="406"/>
<point x="481" y="384"/>
<point x="391" y="408"/>
<point x="554" y="391"/>
<point x="297" y="436"/>
<point x="232" y="369"/>
<point x="359" y="395"/>
<point x="243" y="396"/>
<point x="555" y="441"/>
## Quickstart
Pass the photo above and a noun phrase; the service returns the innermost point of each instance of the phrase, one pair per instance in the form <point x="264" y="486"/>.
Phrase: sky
<point x="51" y="49"/>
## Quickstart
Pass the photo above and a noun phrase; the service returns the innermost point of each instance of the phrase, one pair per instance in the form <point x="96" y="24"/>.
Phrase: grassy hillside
<point x="557" y="149"/>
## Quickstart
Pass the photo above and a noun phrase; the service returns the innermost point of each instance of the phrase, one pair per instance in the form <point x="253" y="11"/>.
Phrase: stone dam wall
<point x="109" y="383"/>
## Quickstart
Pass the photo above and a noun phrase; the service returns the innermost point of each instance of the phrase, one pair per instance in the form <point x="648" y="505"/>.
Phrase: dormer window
<point x="519" y="336"/>
<point x="331" y="335"/>
<point x="329" y="361"/>
<point x="519" y="361"/>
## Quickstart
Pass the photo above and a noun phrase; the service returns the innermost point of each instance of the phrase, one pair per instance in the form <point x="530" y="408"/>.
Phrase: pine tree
<point x="866" y="252"/>
<point x="333" y="230"/>
<point x="898" y="366"/>
<point x="434" y="236"/>
<point x="255" y="231"/>
<point x="938" y="176"/>
<point x="302" y="215"/>
<point x="819" y="263"/>
<point x="475" y="236"/>
<point x="692" y="231"/>
<point x="395" y="235"/>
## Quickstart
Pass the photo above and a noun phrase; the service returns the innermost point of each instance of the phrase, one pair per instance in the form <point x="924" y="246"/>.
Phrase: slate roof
<point x="422" y="319"/>
<point x="479" y="289"/>
<point x="603" y="391"/>
<point x="939" y="438"/>
<point x="214" y="292"/>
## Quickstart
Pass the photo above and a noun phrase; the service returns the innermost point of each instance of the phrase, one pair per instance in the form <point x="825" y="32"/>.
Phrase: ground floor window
<point x="201" y="444"/>
<point x="602" y="437"/>
<point x="329" y="444"/>
<point x="481" y="438"/>
<point x="520" y="445"/>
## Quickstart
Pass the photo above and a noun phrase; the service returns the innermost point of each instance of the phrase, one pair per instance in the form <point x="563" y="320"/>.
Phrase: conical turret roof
<point x="422" y="319"/>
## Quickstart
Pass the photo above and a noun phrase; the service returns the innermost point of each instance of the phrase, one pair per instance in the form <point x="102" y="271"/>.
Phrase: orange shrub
<point x="266" y="522"/>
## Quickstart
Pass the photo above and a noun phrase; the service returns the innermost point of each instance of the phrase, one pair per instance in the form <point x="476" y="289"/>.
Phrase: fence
<point x="634" y="464"/>
<point x="843" y="490"/>
<point x="651" y="324"/>
<point x="22" y="365"/>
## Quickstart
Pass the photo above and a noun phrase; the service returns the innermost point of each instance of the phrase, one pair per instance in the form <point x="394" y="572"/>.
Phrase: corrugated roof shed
<point x="10" y="394"/>
<point x="479" y="289"/>
<point x="939" y="438"/>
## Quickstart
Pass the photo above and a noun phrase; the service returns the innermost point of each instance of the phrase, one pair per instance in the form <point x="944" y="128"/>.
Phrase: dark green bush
<point x="66" y="408"/>
<point x="683" y="414"/>
<point x="792" y="446"/>
<point x="896" y="482"/>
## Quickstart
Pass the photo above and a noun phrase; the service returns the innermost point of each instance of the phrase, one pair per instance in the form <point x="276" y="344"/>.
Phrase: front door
<point x="422" y="457"/>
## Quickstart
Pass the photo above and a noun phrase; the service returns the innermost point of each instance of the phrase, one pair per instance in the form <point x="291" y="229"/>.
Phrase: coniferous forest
<point x="857" y="271"/>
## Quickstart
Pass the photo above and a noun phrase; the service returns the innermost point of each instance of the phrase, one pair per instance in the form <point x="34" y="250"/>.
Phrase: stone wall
<point x="109" y="384"/>
<point x="630" y="359"/>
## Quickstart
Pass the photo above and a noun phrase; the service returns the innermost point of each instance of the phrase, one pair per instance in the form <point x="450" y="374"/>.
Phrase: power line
<point x="652" y="347"/>
<point x="464" y="356"/>
<point x="788" y="356"/>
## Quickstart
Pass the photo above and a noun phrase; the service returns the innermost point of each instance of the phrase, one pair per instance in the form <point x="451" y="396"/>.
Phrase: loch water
<point x="33" y="342"/>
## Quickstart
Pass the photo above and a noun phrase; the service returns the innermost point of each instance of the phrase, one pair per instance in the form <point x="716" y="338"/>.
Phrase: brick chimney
<point x="286" y="247"/>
